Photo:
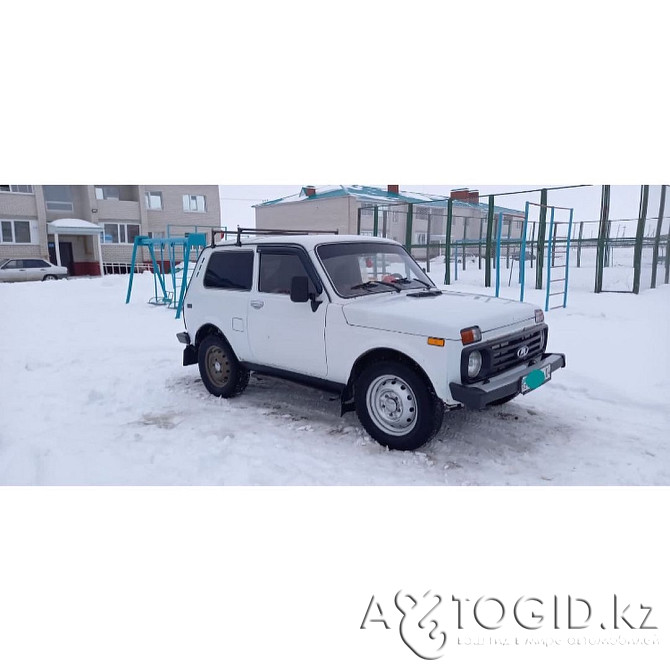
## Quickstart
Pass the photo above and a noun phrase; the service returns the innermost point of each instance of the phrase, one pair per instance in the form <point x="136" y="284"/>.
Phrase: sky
<point x="237" y="201"/>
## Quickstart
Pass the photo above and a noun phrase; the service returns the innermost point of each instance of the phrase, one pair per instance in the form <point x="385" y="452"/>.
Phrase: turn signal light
<point x="436" y="341"/>
<point x="470" y="335"/>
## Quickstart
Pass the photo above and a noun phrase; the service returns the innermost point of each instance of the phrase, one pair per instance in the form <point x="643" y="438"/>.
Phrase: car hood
<point x="440" y="316"/>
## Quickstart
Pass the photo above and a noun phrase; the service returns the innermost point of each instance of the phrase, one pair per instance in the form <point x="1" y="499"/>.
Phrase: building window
<point x="107" y="193"/>
<point x="58" y="198"/>
<point x="16" y="189"/>
<point x="154" y="199"/>
<point x="120" y="233"/>
<point x="15" y="232"/>
<point x="230" y="270"/>
<point x="195" y="203"/>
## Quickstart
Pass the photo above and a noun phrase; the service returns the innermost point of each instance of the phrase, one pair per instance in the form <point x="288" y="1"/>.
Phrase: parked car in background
<point x="29" y="269"/>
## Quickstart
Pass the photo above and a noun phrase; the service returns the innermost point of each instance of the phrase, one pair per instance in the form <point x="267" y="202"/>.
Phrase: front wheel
<point x="221" y="372"/>
<point x="397" y="406"/>
<point x="49" y="278"/>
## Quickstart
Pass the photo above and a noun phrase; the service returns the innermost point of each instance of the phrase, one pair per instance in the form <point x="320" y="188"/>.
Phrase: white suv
<point x="358" y="316"/>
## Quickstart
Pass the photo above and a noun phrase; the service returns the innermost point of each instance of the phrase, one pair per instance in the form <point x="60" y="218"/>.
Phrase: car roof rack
<point x="267" y="231"/>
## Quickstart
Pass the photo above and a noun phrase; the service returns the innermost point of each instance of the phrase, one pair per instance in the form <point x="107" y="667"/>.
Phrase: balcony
<point x="118" y="210"/>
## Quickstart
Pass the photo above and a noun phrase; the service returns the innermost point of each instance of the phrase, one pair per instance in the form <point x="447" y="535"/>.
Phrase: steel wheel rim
<point x="218" y="366"/>
<point x="391" y="404"/>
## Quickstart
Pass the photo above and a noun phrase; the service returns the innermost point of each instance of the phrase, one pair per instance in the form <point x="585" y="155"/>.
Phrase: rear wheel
<point x="397" y="406"/>
<point x="221" y="372"/>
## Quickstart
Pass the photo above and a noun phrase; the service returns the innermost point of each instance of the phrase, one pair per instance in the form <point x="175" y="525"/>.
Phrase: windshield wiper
<point x="406" y="280"/>
<point x="375" y="282"/>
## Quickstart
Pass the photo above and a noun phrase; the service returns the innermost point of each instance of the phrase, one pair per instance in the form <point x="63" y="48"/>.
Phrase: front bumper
<point x="476" y="396"/>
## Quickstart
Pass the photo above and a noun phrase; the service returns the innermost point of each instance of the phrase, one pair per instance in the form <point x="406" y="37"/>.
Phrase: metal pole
<point x="447" y="243"/>
<point x="602" y="235"/>
<point x="549" y="243"/>
<point x="579" y="244"/>
<point x="375" y="221"/>
<point x="639" y="238"/>
<point x="509" y="235"/>
<point x="481" y="235"/>
<point x="489" y="242"/>
<point x="541" y="237"/>
<point x="358" y="222"/>
<point x="567" y="260"/>
<point x="522" y="256"/>
<point x="657" y="239"/>
<point x="498" y="239"/>
<point x="532" y="246"/>
<point x="408" y="231"/>
<point x="465" y="237"/>
<point x="428" y="241"/>
<point x="132" y="270"/>
<point x="384" y="219"/>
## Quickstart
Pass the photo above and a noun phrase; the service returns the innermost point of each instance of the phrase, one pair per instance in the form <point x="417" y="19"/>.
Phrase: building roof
<point x="373" y="195"/>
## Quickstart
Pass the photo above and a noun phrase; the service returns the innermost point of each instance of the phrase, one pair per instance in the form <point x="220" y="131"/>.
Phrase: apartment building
<point x="91" y="229"/>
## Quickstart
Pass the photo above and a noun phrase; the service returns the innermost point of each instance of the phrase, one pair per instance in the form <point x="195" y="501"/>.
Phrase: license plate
<point x="535" y="379"/>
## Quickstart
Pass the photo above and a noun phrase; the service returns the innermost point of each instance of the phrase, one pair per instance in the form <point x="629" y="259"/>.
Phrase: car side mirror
<point x="299" y="289"/>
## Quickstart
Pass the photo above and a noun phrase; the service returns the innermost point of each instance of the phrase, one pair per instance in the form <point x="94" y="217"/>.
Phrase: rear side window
<point x="230" y="270"/>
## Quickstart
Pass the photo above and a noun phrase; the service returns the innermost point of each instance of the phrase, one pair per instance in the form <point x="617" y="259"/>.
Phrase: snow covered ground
<point x="93" y="392"/>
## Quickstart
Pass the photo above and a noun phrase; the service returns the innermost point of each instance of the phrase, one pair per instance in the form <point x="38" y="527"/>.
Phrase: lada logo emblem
<point x="523" y="352"/>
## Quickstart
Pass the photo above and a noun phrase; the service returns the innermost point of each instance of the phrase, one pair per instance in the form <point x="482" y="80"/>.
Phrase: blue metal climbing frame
<point x="194" y="242"/>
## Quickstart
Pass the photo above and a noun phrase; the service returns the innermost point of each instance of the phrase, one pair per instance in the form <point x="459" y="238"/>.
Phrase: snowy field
<point x="93" y="392"/>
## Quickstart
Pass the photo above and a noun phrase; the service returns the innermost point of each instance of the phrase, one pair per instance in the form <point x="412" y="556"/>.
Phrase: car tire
<point x="397" y="406"/>
<point x="503" y="401"/>
<point x="221" y="372"/>
<point x="49" y="278"/>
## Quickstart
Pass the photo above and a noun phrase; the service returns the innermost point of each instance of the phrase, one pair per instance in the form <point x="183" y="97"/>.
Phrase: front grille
<point x="505" y="352"/>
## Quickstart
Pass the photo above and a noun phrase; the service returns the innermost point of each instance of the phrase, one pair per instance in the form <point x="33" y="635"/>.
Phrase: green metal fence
<point x="458" y="240"/>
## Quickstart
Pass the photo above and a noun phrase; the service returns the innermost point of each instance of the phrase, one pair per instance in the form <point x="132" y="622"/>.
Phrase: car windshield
<point x="357" y="268"/>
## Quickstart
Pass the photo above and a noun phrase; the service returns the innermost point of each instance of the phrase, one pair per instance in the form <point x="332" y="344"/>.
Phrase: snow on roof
<point x="80" y="224"/>
<point x="73" y="227"/>
<point x="380" y="196"/>
<point x="362" y="193"/>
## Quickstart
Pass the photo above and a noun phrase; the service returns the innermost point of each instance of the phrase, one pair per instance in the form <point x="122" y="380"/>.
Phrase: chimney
<point x="459" y="194"/>
<point x="473" y="197"/>
<point x="309" y="191"/>
<point x="393" y="189"/>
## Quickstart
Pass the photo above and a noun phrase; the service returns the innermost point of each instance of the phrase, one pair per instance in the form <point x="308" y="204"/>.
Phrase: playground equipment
<point x="192" y="243"/>
<point x="555" y="242"/>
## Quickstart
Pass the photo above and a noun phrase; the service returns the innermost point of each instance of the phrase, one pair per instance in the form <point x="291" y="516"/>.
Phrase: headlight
<point x="539" y="316"/>
<point x="474" y="363"/>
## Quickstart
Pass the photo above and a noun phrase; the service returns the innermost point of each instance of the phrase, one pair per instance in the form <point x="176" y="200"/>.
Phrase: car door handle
<point x="257" y="304"/>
